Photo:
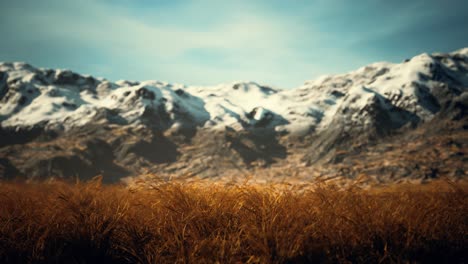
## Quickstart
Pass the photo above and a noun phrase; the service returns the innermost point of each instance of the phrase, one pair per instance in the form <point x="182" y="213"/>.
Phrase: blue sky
<point x="279" y="43"/>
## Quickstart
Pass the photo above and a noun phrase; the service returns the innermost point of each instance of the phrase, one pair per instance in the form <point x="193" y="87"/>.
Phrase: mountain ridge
<point x="169" y="128"/>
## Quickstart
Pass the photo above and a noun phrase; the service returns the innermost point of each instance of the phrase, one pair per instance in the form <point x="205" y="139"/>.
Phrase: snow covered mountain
<point x="257" y="122"/>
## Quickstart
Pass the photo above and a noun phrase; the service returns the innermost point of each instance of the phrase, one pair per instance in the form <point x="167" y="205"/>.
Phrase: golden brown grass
<point x="206" y="222"/>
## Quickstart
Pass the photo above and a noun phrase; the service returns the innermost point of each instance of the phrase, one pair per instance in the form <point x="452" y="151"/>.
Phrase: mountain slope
<point x="60" y="123"/>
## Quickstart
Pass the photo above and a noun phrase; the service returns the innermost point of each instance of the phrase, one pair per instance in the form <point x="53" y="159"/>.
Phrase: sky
<point x="207" y="42"/>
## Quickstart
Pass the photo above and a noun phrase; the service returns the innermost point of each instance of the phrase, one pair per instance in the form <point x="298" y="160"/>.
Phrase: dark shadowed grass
<point x="206" y="222"/>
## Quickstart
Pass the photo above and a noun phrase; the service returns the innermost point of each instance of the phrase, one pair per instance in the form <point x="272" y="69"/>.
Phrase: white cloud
<point x="258" y="45"/>
<point x="113" y="29"/>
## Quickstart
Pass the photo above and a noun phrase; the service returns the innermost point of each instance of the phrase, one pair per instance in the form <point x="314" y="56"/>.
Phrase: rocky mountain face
<point x="382" y="120"/>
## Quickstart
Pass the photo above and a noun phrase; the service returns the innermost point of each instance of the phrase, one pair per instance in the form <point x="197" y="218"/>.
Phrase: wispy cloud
<point x="203" y="42"/>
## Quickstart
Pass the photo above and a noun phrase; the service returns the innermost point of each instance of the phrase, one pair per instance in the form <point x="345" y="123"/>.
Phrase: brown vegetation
<point x="208" y="222"/>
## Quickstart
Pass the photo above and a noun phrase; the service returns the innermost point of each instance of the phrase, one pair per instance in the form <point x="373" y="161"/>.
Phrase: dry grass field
<point x="209" y="222"/>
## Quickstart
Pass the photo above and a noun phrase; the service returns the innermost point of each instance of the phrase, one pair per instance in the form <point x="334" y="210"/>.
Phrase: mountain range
<point x="384" y="121"/>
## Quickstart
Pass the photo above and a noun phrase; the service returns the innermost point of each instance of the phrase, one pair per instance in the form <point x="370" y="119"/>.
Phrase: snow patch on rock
<point x="64" y="99"/>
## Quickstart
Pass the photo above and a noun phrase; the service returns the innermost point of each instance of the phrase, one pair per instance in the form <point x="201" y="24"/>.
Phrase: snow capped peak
<point x="462" y="51"/>
<point x="399" y="92"/>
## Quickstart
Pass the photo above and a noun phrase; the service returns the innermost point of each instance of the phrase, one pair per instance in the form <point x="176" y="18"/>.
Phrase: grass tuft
<point x="207" y="222"/>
